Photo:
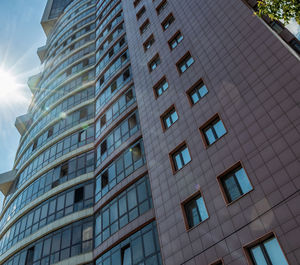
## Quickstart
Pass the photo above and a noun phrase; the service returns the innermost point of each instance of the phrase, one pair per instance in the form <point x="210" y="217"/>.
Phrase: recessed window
<point x="195" y="211"/>
<point x="140" y="13"/>
<point x="145" y="26"/>
<point x="175" y="40"/>
<point x="29" y="256"/>
<point x="234" y="183"/>
<point x="152" y="65"/>
<point x="82" y="136"/>
<point x="161" y="6"/>
<point x="50" y="132"/>
<point x="78" y="195"/>
<point x="64" y="170"/>
<point x="136" y="2"/>
<point x="218" y="262"/>
<point x="103" y="147"/>
<point x="185" y="62"/>
<point x="126" y="255"/>
<point x="104" y="179"/>
<point x="169" y="117"/>
<point x="168" y="21"/>
<point x="267" y="252"/>
<point x="34" y="146"/>
<point x="196" y="92"/>
<point x="161" y="87"/>
<point x="180" y="157"/>
<point x="148" y="43"/>
<point x="213" y="130"/>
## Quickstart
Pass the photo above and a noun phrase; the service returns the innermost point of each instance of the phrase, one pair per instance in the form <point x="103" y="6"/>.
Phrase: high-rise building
<point x="159" y="132"/>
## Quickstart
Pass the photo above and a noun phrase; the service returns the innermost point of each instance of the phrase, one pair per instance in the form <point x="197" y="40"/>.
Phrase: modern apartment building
<point x="159" y="132"/>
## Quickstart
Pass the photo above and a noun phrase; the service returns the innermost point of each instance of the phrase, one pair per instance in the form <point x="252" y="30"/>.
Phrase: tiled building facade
<point x="160" y="132"/>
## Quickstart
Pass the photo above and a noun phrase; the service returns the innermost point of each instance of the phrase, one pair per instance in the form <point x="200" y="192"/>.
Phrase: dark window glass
<point x="140" y="12"/>
<point x="174" y="41"/>
<point x="126" y="255"/>
<point x="145" y="26"/>
<point x="78" y="195"/>
<point x="195" y="211"/>
<point x="161" y="7"/>
<point x="235" y="183"/>
<point x="29" y="256"/>
<point x="148" y="43"/>
<point x="268" y="252"/>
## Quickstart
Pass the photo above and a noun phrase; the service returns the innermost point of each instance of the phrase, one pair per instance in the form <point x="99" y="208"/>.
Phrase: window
<point x="168" y="21"/>
<point x="180" y="157"/>
<point x="78" y="195"/>
<point x="140" y="13"/>
<point x="267" y="252"/>
<point x="212" y="130"/>
<point x="195" y="211"/>
<point x="234" y="183"/>
<point x="82" y="136"/>
<point x="126" y="255"/>
<point x="175" y="40"/>
<point x="50" y="132"/>
<point x="34" y="146"/>
<point x="136" y="2"/>
<point x="169" y="117"/>
<point x="104" y="179"/>
<point x="185" y="62"/>
<point x="196" y="92"/>
<point x="160" y="87"/>
<point x="83" y="113"/>
<point x="218" y="262"/>
<point x="64" y="170"/>
<point x="145" y="26"/>
<point x="29" y="256"/>
<point x="161" y="7"/>
<point x="148" y="43"/>
<point x="152" y="65"/>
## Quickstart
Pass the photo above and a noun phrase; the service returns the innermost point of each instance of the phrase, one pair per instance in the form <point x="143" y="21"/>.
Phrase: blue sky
<point x="20" y="36"/>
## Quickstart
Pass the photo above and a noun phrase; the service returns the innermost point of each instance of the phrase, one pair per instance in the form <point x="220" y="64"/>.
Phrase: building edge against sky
<point x="160" y="132"/>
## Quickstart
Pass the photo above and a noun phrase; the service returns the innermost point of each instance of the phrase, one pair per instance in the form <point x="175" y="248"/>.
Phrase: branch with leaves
<point x="283" y="10"/>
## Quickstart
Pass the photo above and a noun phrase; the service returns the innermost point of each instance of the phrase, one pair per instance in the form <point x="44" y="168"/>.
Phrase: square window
<point x="161" y="86"/>
<point x="169" y="117"/>
<point x="195" y="210"/>
<point x="167" y="22"/>
<point x="180" y="157"/>
<point x="212" y="130"/>
<point x="266" y="250"/>
<point x="145" y="26"/>
<point x="175" y="40"/>
<point x="184" y="63"/>
<point x="148" y="43"/>
<point x="197" y="91"/>
<point x="155" y="61"/>
<point x="234" y="183"/>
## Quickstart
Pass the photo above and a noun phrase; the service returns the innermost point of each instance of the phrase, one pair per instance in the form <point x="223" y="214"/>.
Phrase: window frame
<point x="184" y="60"/>
<point x="226" y="173"/>
<point x="163" y="116"/>
<point x="158" y="84"/>
<point x="167" y="19"/>
<point x="217" y="262"/>
<point x="201" y="83"/>
<point x="161" y="7"/>
<point x="150" y="38"/>
<point x="154" y="59"/>
<point x="174" y="37"/>
<point x="186" y="201"/>
<point x="174" y="151"/>
<point x="143" y="28"/>
<point x="141" y="12"/>
<point x="206" y="124"/>
<point x="258" y="241"/>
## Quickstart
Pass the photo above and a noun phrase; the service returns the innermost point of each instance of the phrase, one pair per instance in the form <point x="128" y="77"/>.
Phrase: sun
<point x="10" y="90"/>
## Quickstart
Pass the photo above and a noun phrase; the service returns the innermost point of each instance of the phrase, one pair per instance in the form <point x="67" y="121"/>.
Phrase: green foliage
<point x="284" y="10"/>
